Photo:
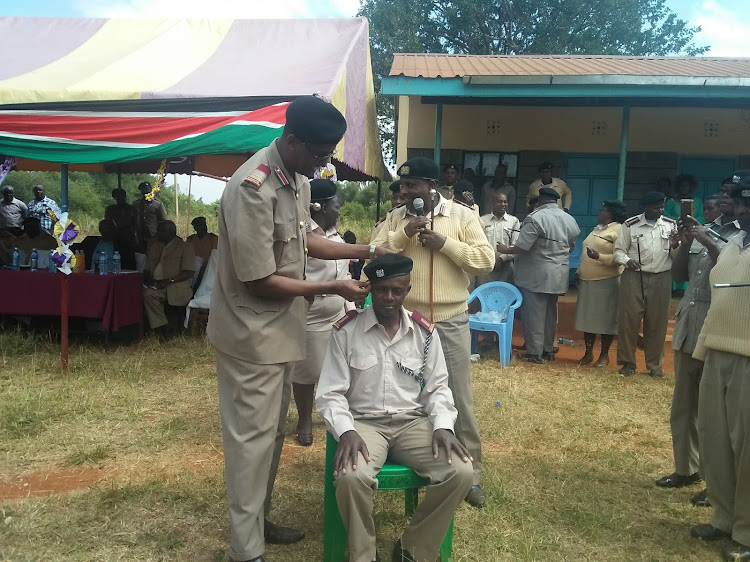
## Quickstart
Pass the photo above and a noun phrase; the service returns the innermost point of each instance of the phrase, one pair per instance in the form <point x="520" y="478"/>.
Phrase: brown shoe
<point x="475" y="497"/>
<point x="707" y="532"/>
<point x="736" y="552"/>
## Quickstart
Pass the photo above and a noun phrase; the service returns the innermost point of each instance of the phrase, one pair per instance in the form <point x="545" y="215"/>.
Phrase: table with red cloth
<point x="115" y="299"/>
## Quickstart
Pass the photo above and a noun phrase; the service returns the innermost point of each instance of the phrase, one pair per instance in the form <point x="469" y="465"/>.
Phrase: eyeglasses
<point x="320" y="158"/>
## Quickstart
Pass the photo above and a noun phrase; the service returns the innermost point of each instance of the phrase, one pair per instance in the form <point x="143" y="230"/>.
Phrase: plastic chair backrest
<point x="497" y="296"/>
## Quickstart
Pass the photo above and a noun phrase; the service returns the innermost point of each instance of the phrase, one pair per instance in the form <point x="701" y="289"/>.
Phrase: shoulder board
<point x="341" y="322"/>
<point x="257" y="176"/>
<point x="422" y="321"/>
<point x="462" y="204"/>
<point x="668" y="220"/>
<point x="632" y="220"/>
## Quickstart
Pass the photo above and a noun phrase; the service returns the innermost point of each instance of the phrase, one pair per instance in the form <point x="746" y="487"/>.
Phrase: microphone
<point x="418" y="206"/>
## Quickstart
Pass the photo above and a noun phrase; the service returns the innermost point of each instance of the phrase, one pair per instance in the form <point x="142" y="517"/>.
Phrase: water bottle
<point x="564" y="341"/>
<point x="34" y="260"/>
<point x="116" y="263"/>
<point x="16" y="260"/>
<point x="51" y="267"/>
<point x="103" y="263"/>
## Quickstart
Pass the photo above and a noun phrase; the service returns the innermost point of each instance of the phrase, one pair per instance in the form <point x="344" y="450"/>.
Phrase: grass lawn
<point x="120" y="459"/>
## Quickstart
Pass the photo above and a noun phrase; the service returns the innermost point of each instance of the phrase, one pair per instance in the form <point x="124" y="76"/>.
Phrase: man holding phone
<point x="646" y="245"/>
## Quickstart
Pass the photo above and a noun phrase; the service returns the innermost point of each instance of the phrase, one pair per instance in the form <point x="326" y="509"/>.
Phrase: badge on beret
<point x="280" y="175"/>
<point x="258" y="176"/>
<point x="745" y="193"/>
<point x="404" y="170"/>
<point x="380" y="273"/>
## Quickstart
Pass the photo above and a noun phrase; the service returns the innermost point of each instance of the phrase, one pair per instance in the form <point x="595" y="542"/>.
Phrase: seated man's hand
<point x="350" y="445"/>
<point x="445" y="438"/>
<point x="161" y="283"/>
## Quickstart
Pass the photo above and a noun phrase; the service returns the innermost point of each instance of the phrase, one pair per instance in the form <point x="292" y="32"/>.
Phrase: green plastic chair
<point x="391" y="477"/>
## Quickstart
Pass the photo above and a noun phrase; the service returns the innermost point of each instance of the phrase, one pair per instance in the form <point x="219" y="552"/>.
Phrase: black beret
<point x="739" y="174"/>
<point x="741" y="189"/>
<point x="314" y="120"/>
<point x="652" y="197"/>
<point x="387" y="266"/>
<point x="419" y="167"/>
<point x="463" y="185"/>
<point x="395" y="187"/>
<point x="197" y="219"/>
<point x="544" y="166"/>
<point x="549" y="192"/>
<point x="322" y="190"/>
<point x="451" y="167"/>
<point x="144" y="184"/>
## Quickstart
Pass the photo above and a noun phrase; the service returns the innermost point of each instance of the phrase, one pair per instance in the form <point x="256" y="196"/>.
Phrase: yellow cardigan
<point x="602" y="239"/>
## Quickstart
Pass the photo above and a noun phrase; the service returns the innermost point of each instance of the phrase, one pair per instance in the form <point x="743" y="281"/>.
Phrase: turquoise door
<point x="709" y="171"/>
<point x="592" y="179"/>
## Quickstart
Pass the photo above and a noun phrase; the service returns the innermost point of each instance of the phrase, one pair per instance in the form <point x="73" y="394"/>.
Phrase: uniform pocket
<point x="364" y="363"/>
<point x="285" y="242"/>
<point x="257" y="304"/>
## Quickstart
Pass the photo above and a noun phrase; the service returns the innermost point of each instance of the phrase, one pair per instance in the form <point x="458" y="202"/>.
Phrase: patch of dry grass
<point x="570" y="456"/>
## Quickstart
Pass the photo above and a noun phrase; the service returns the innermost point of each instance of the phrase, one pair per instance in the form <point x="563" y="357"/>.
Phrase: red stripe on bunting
<point x="139" y="129"/>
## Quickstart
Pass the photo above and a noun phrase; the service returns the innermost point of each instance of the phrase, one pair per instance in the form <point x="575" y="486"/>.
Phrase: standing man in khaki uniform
<point x="258" y="316"/>
<point x="459" y="249"/>
<point x="383" y="391"/>
<point x="645" y="246"/>
<point x="500" y="228"/>
<point x="542" y="250"/>
<point x="450" y="177"/>
<point x="724" y="401"/>
<point x="546" y="180"/>
<point x="499" y="182"/>
<point x="694" y="260"/>
<point x="149" y="214"/>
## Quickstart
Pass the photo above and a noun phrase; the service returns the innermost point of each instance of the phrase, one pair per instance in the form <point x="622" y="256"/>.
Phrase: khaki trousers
<point x="153" y="302"/>
<point x="539" y="318"/>
<point x="652" y="307"/>
<point x="455" y="338"/>
<point x="407" y="440"/>
<point x="683" y="418"/>
<point x="253" y="400"/>
<point x="724" y="431"/>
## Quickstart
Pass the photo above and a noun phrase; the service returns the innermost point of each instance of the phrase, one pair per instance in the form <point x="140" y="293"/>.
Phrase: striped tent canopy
<point x="116" y="91"/>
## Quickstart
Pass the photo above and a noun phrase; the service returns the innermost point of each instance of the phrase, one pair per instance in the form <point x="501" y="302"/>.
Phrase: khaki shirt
<point x="361" y="376"/>
<point x="149" y="214"/>
<point x="166" y="261"/>
<point x="12" y="214"/>
<point x="203" y="246"/>
<point x="566" y="196"/>
<point x="326" y="309"/>
<point x="505" y="230"/>
<point x="42" y="242"/>
<point x="693" y="308"/>
<point x="547" y="236"/>
<point x="262" y="232"/>
<point x="446" y="191"/>
<point x="652" y="240"/>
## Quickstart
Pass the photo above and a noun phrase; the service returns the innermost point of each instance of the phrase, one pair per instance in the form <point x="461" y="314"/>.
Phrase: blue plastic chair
<point x="496" y="296"/>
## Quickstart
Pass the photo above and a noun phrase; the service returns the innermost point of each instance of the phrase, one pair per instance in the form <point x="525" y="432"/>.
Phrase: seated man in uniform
<point x="383" y="392"/>
<point x="34" y="237"/>
<point x="202" y="241"/>
<point x="170" y="264"/>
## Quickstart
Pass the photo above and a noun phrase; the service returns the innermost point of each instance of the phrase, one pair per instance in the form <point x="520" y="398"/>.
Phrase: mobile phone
<point x="686" y="208"/>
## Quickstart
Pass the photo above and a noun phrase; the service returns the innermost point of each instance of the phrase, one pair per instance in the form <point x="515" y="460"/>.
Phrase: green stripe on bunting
<point x="225" y="140"/>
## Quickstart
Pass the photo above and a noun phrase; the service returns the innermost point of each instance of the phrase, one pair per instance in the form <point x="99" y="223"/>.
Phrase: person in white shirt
<point x="383" y="392"/>
<point x="500" y="227"/>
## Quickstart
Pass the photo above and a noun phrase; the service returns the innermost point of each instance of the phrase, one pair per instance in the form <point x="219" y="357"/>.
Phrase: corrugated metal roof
<point x="451" y="66"/>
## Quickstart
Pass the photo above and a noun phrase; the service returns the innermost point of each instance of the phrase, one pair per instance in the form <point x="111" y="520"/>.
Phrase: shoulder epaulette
<point x="667" y="219"/>
<point x="632" y="220"/>
<point x="341" y="322"/>
<point x="257" y="176"/>
<point x="422" y="321"/>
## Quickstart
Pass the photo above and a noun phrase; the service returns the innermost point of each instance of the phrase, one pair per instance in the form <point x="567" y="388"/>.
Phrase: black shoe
<point x="655" y="373"/>
<point x="627" y="370"/>
<point x="736" y="552"/>
<point x="475" y="497"/>
<point x="304" y="439"/>
<point x="555" y="349"/>
<point x="277" y="534"/>
<point x="400" y="554"/>
<point x="701" y="499"/>
<point x="548" y="356"/>
<point x="675" y="480"/>
<point x="530" y="358"/>
<point x="707" y="532"/>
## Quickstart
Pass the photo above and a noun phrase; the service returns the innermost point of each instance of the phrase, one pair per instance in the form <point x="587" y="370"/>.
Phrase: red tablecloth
<point x="116" y="300"/>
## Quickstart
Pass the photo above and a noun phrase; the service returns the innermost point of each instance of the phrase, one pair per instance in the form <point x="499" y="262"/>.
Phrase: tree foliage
<point x="520" y="27"/>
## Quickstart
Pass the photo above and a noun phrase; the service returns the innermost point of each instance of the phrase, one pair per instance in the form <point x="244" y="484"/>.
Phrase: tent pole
<point x="377" y="206"/>
<point x="64" y="188"/>
<point x="176" y="201"/>
<point x="190" y="188"/>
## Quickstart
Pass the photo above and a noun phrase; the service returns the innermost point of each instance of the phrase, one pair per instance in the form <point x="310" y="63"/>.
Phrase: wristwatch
<point x="372" y="250"/>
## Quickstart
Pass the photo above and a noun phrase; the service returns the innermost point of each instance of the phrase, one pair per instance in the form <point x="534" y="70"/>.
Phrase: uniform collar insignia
<point x="280" y="175"/>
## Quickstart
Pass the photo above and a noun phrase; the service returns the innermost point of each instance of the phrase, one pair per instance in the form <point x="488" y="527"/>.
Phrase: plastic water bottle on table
<point x="116" y="263"/>
<point x="34" y="260"/>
